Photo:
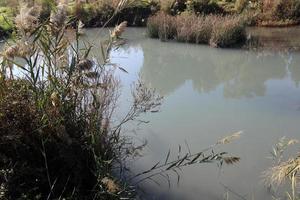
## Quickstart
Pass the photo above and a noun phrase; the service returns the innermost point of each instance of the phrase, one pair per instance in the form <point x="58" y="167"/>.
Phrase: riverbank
<point x="96" y="13"/>
<point x="167" y="19"/>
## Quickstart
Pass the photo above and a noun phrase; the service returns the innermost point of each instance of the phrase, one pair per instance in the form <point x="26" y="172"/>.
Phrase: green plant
<point x="6" y="20"/>
<point x="240" y="5"/>
<point x="205" y="7"/>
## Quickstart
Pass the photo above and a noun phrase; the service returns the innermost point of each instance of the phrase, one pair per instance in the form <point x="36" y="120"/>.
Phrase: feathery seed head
<point x="28" y="18"/>
<point x="117" y="32"/>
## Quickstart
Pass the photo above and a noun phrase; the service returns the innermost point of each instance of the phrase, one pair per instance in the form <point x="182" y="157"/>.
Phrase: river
<point x="208" y="94"/>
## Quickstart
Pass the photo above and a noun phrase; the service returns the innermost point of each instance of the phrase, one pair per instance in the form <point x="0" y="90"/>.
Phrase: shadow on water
<point x="243" y="74"/>
<point x="274" y="38"/>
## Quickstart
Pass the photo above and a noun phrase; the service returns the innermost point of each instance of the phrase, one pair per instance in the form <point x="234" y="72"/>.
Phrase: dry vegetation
<point x="284" y="170"/>
<point x="218" y="31"/>
<point x="57" y="135"/>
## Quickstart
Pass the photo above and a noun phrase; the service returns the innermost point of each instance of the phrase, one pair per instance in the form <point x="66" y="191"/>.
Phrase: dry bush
<point x="284" y="170"/>
<point x="195" y="29"/>
<point x="161" y="26"/>
<point x="184" y="30"/>
<point x="203" y="28"/>
<point x="218" y="31"/>
<point x="228" y="31"/>
<point x="274" y="10"/>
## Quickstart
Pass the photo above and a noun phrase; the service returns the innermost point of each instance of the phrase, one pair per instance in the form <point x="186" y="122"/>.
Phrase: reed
<point x="57" y="132"/>
<point x="284" y="170"/>
<point x="228" y="32"/>
<point x="215" y="30"/>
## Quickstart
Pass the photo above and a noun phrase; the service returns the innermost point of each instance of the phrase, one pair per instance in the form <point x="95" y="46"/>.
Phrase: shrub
<point x="92" y="14"/>
<point x="240" y="5"/>
<point x="46" y="7"/>
<point x="184" y="31"/>
<point x="281" y="10"/>
<point x="195" y="29"/>
<point x="206" y="7"/>
<point x="172" y="7"/>
<point x="153" y="27"/>
<point x="228" y="32"/>
<point x="162" y="26"/>
<point x="204" y="27"/>
<point x="6" y="20"/>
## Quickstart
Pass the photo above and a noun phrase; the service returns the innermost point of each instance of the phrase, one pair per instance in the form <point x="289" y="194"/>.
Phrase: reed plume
<point x="28" y="18"/>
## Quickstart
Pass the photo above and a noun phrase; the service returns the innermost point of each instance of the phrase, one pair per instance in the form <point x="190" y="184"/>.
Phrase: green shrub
<point x="240" y="5"/>
<point x="205" y="7"/>
<point x="6" y="20"/>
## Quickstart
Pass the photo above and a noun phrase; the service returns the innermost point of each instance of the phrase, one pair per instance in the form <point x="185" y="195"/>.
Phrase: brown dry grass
<point x="218" y="31"/>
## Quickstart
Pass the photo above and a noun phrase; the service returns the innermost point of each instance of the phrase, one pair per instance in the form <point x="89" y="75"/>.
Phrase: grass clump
<point x="218" y="31"/>
<point x="228" y="32"/>
<point x="161" y="26"/>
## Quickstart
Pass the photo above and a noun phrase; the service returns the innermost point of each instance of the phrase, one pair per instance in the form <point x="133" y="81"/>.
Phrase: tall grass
<point x="228" y="32"/>
<point x="284" y="170"/>
<point x="57" y="134"/>
<point x="218" y="31"/>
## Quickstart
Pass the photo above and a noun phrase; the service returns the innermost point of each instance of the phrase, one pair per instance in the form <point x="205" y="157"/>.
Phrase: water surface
<point x="209" y="93"/>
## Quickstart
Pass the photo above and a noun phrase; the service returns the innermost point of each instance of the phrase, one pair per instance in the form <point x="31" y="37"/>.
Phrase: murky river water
<point x="210" y="93"/>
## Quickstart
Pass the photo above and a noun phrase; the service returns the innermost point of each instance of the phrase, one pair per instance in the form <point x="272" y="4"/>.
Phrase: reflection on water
<point x="210" y="93"/>
<point x="240" y="73"/>
<point x="275" y="38"/>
